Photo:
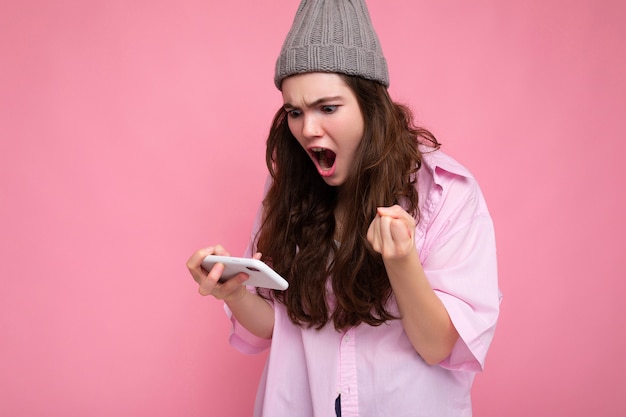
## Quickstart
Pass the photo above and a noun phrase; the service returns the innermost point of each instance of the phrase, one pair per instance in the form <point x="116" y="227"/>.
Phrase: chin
<point x="333" y="182"/>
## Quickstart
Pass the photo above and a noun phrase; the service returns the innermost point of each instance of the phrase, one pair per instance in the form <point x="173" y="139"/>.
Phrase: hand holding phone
<point x="261" y="275"/>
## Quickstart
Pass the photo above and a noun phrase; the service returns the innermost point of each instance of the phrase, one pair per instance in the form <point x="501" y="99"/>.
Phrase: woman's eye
<point x="294" y="113"/>
<point x="329" y="109"/>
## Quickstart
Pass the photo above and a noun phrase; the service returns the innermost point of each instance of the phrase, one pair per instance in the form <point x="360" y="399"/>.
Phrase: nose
<point x="311" y="127"/>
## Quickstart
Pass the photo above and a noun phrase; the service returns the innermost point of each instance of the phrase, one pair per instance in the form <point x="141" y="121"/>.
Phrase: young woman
<point x="386" y="243"/>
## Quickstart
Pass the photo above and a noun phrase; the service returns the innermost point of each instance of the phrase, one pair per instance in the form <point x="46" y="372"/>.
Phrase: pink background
<point x="132" y="133"/>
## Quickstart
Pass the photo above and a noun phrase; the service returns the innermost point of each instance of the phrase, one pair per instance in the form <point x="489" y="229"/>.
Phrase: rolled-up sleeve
<point x="459" y="259"/>
<point x="464" y="276"/>
<point x="242" y="340"/>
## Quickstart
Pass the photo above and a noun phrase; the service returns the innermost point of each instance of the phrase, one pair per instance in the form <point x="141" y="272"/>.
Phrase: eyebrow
<point x="314" y="103"/>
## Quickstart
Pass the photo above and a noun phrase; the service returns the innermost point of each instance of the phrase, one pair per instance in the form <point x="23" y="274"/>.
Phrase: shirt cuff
<point x="475" y="335"/>
<point x="244" y="341"/>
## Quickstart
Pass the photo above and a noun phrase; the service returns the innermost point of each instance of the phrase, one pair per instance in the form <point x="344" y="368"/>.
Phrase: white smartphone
<point x="261" y="275"/>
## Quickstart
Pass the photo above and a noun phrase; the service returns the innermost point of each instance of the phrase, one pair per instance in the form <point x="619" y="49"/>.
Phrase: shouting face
<point x="325" y="118"/>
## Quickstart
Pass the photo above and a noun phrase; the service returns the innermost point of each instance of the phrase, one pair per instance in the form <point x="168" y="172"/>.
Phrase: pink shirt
<point x="375" y="369"/>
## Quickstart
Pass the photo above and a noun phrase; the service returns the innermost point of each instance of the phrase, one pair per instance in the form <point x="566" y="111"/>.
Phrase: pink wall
<point x="132" y="133"/>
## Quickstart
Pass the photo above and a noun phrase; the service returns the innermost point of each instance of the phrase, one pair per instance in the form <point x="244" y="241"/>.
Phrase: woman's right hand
<point x="208" y="281"/>
<point x="252" y="311"/>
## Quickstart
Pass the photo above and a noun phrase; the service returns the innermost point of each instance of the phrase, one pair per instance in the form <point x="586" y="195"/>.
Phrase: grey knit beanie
<point x="332" y="36"/>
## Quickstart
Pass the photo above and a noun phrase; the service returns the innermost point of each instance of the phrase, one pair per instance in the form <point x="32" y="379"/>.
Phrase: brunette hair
<point x="297" y="230"/>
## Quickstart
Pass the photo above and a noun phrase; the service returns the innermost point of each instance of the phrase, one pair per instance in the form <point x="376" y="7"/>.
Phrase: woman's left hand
<point x="392" y="232"/>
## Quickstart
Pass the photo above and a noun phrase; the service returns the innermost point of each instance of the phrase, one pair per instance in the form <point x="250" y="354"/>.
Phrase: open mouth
<point x="325" y="157"/>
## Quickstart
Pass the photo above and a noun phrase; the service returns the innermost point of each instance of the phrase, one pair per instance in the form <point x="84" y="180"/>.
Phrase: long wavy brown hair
<point x="298" y="225"/>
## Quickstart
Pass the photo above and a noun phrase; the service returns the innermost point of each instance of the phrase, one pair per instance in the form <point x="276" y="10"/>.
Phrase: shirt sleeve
<point x="242" y="340"/>
<point x="460" y="263"/>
